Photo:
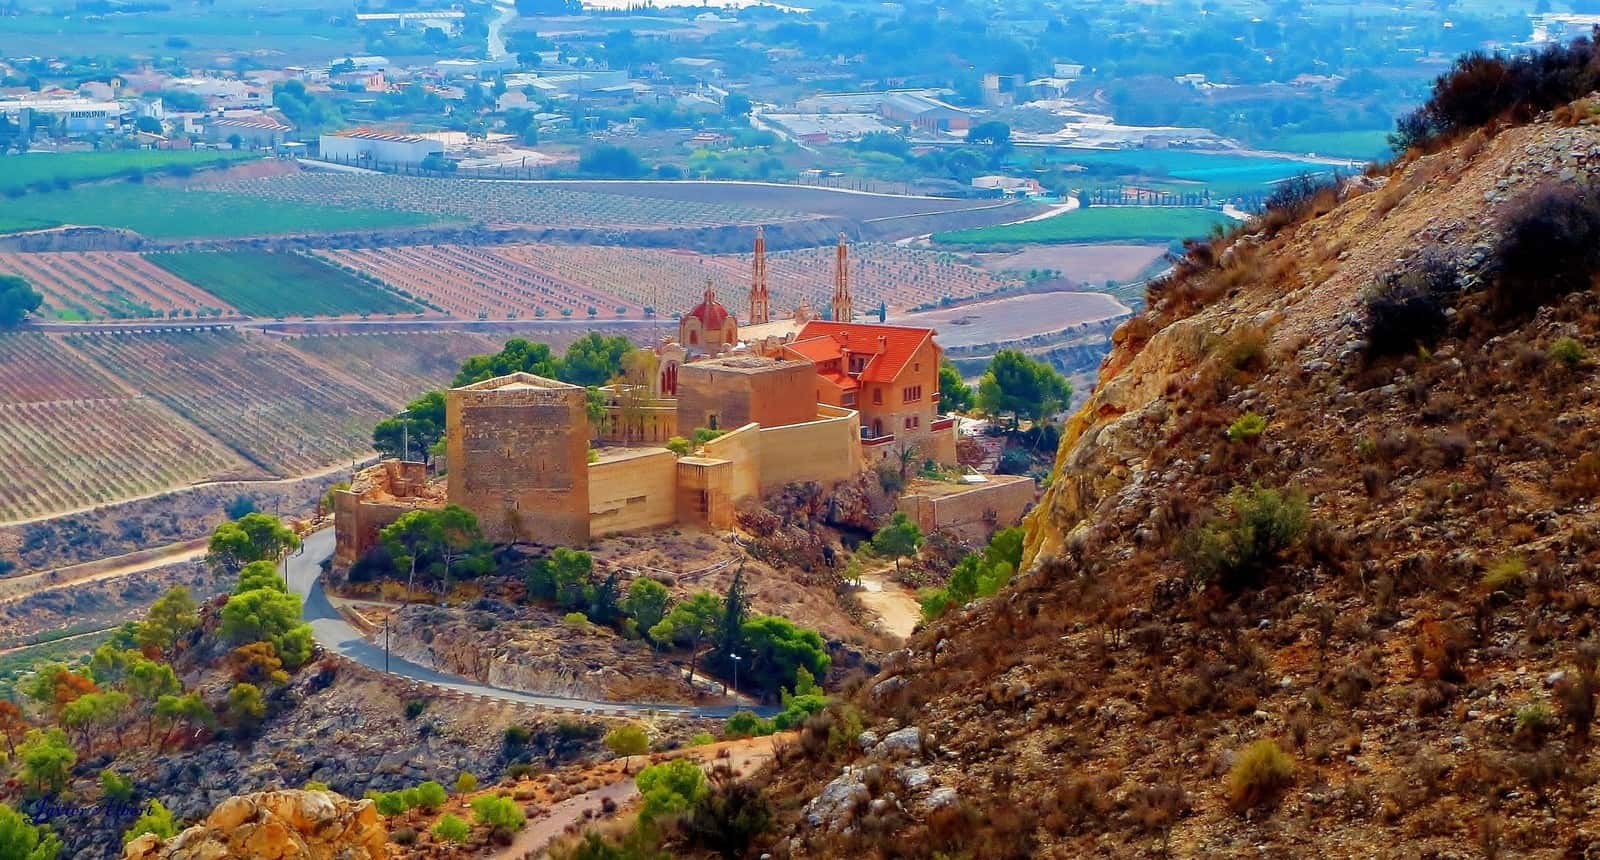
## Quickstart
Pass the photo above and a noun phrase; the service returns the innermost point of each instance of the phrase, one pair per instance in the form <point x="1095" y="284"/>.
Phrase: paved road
<point x="338" y="636"/>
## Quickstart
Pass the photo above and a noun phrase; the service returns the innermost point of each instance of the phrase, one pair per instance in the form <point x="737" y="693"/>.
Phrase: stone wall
<point x="378" y="496"/>
<point x="634" y="490"/>
<point x="742" y="449"/>
<point x="738" y="390"/>
<point x="825" y="449"/>
<point x="518" y="451"/>
<point x="970" y="511"/>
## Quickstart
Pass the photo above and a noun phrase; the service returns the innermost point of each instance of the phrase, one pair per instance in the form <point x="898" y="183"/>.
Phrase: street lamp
<point x="735" y="675"/>
<point x="385" y="644"/>
<point x="405" y="435"/>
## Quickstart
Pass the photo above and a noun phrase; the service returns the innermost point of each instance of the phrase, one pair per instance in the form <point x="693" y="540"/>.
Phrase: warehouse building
<point x="366" y="146"/>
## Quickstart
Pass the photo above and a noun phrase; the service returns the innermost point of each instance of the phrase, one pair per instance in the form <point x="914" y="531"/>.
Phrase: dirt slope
<point x="1422" y="650"/>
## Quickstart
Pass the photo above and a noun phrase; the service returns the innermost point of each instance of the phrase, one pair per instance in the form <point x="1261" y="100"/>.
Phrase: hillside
<point x="1334" y="492"/>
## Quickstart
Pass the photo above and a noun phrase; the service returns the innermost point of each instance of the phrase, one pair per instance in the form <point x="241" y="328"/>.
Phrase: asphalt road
<point x="338" y="636"/>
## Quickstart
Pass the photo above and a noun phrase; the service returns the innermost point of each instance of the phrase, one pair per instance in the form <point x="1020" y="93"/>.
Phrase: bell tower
<point x="760" y="301"/>
<point x="843" y="311"/>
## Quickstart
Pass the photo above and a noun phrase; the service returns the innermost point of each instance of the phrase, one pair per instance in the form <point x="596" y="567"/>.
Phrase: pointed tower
<point x="842" y="309"/>
<point x="760" y="302"/>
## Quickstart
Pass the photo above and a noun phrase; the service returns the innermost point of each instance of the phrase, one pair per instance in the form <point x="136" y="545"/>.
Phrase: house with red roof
<point x="887" y="373"/>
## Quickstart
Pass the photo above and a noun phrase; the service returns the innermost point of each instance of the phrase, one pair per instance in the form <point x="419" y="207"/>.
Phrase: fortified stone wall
<point x="378" y="496"/>
<point x="518" y="449"/>
<point x="634" y="490"/>
<point x="738" y="390"/>
<point x="825" y="449"/>
<point x="970" y="511"/>
<point x="742" y="449"/>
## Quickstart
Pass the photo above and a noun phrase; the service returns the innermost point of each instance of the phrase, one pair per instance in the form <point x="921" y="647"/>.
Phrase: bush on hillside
<point x="1246" y="539"/>
<point x="1406" y="307"/>
<point x="1260" y="773"/>
<point x="1549" y="247"/>
<point x="1481" y="88"/>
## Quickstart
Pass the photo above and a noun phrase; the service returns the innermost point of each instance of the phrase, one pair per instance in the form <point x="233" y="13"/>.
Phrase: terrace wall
<point x="973" y="511"/>
<point x="378" y="496"/>
<point x="633" y="491"/>
<point x="826" y="450"/>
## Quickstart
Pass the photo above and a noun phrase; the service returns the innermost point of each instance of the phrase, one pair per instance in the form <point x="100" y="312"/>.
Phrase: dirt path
<point x="532" y="841"/>
<point x="896" y="607"/>
<point x="16" y="588"/>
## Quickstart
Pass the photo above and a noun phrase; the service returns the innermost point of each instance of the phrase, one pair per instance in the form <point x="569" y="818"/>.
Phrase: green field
<point x="9" y="224"/>
<point x="265" y="284"/>
<point x="47" y="171"/>
<point x="165" y="212"/>
<point x="1097" y="224"/>
<point x="1338" y="144"/>
<point x="1223" y="173"/>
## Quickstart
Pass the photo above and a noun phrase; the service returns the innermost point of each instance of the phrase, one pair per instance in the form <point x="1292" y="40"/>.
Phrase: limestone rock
<point x="275" y="825"/>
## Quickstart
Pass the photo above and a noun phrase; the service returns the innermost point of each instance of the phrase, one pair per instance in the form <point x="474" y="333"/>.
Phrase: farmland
<point x="35" y="368"/>
<point x="1227" y="174"/>
<point x="481" y="283"/>
<point x="258" y="397"/>
<point x="398" y="367"/>
<point x="1098" y="224"/>
<point x="167" y="212"/>
<point x="66" y="454"/>
<point x="1082" y="264"/>
<point x="116" y="285"/>
<point x="503" y="203"/>
<point x="266" y="284"/>
<point x="1015" y="318"/>
<point x="47" y="171"/>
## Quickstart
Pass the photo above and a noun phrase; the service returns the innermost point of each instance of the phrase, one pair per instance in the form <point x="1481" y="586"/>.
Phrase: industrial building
<point x="367" y="146"/>
<point x="64" y="116"/>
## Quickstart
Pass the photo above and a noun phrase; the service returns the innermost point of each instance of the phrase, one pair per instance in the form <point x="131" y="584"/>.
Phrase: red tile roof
<point x="710" y="312"/>
<point x="890" y="346"/>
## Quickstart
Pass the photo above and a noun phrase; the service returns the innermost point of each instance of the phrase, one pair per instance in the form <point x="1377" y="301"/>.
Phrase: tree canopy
<point x="423" y="427"/>
<point x="252" y="537"/>
<point x="1022" y="387"/>
<point x="955" y="395"/>
<point x="899" y="538"/>
<point x="20" y="839"/>
<point x="594" y="359"/>
<point x="18" y="298"/>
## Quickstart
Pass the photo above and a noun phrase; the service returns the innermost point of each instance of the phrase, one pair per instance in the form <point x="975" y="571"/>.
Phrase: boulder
<point x="275" y="825"/>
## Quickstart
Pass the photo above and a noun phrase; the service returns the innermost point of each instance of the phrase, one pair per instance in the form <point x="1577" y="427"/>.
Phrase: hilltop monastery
<point x="799" y="400"/>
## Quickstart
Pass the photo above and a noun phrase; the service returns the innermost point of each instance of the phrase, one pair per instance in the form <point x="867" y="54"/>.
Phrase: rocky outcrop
<point x="275" y="825"/>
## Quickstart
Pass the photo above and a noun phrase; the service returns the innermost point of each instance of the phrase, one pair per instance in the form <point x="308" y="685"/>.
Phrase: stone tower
<point x="843" y="311"/>
<point x="760" y="301"/>
<point x="518" y="448"/>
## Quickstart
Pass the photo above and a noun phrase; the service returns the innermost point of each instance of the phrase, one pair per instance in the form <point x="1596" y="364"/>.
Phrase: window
<point x="913" y="422"/>
<point x="849" y="398"/>
<point x="911" y="393"/>
<point x="711" y="421"/>
<point x="877" y="397"/>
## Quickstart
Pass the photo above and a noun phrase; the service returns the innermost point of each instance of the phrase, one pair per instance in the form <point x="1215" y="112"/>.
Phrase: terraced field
<point x="480" y="283"/>
<point x="498" y="203"/>
<point x="398" y="367"/>
<point x="268" y="284"/>
<point x="255" y="395"/>
<point x="67" y="454"/>
<point x="109" y="285"/>
<point x="36" y="368"/>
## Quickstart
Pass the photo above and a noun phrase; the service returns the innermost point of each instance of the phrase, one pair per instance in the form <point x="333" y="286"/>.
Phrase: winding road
<point x="338" y="636"/>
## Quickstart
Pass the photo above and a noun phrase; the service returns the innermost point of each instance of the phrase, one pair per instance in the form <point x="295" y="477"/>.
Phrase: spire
<point x="842" y="309"/>
<point x="760" y="302"/>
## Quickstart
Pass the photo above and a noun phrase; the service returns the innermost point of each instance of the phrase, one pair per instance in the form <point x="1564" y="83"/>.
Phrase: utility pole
<point x="405" y="435"/>
<point x="386" y="644"/>
<point x="735" y="675"/>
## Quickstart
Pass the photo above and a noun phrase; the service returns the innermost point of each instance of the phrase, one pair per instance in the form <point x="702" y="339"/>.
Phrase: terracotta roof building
<point x="709" y="328"/>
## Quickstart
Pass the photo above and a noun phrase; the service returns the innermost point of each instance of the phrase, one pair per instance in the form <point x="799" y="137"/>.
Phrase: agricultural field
<point x="48" y="171"/>
<point x="830" y="202"/>
<point x="468" y="282"/>
<point x="171" y="212"/>
<point x="68" y="454"/>
<point x="257" y="396"/>
<point x="1372" y="144"/>
<point x="504" y="203"/>
<point x="270" y="284"/>
<point x="1015" y="318"/>
<point x="399" y="367"/>
<point x="1081" y="264"/>
<point x="109" y="285"/>
<point x="673" y="281"/>
<point x="1225" y="174"/>
<point x="37" y="368"/>
<point x="1096" y="225"/>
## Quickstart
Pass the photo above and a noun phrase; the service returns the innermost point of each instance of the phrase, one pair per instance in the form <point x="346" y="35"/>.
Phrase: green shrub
<point x="680" y="446"/>
<point x="797" y="709"/>
<point x="431" y="795"/>
<point x="391" y="803"/>
<point x="499" y="812"/>
<point x="414" y="708"/>
<point x="1260" y="772"/>
<point x="576" y="620"/>
<point x="670" y="788"/>
<point x="115" y="786"/>
<point x="156" y="819"/>
<point x="1535" y="722"/>
<point x="315" y="785"/>
<point x="517" y="737"/>
<point x="745" y="724"/>
<point x="1567" y="351"/>
<point x="700" y="739"/>
<point x="466" y="782"/>
<point x="1247" y="427"/>
<point x="1244" y="541"/>
<point x="1507" y="574"/>
<point x="451" y="829"/>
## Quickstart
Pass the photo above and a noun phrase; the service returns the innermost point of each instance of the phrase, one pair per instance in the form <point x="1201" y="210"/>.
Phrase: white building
<point x="364" y="146"/>
<point x="71" y="116"/>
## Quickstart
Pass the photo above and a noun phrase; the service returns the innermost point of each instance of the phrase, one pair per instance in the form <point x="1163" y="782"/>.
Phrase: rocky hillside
<point x="286" y="824"/>
<point x="1317" y="570"/>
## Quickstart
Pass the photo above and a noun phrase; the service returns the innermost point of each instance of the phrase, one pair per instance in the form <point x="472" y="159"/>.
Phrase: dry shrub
<point x="1549" y="247"/>
<point x="1260" y="774"/>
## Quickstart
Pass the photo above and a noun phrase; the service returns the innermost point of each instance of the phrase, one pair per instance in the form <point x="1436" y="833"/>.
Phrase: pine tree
<point x="730" y="632"/>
